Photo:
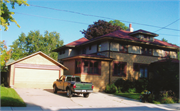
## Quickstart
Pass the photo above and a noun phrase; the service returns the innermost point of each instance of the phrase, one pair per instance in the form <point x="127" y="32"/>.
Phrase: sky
<point x="71" y="16"/>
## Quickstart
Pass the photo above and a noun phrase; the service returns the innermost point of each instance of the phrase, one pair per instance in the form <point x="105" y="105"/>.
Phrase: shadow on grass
<point x="8" y="101"/>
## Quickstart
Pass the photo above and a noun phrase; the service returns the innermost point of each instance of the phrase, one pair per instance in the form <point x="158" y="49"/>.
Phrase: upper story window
<point x="167" y="54"/>
<point x="123" y="48"/>
<point x="62" y="52"/>
<point x="90" y="47"/>
<point x="119" y="69"/>
<point x="84" y="51"/>
<point x="99" y="48"/>
<point x="146" y="51"/>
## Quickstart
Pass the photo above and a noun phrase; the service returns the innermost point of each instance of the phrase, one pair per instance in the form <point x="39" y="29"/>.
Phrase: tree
<point x="4" y="55"/>
<point x="6" y="15"/>
<point x="99" y="28"/>
<point x="33" y="42"/>
<point x="164" y="40"/>
<point x="118" y="23"/>
<point x="165" y="77"/>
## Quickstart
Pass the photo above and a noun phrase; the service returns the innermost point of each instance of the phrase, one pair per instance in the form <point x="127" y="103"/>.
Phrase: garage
<point x="37" y="70"/>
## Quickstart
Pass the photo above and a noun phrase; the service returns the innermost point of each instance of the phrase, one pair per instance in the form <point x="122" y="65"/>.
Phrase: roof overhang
<point x="88" y="57"/>
<point x="143" y="32"/>
<point x="63" y="47"/>
<point x="126" y="40"/>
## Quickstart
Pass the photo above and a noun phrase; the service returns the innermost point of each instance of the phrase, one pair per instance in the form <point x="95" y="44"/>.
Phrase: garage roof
<point x="44" y="55"/>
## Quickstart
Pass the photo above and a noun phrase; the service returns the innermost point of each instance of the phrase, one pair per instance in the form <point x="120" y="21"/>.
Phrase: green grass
<point x="9" y="97"/>
<point x="130" y="95"/>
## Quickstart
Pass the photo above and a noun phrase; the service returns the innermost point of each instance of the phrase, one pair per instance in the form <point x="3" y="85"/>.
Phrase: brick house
<point x="120" y="54"/>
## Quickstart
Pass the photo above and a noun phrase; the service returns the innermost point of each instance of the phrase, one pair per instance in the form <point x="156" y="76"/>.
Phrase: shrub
<point x="119" y="90"/>
<point x="132" y="90"/>
<point x="111" y="88"/>
<point x="167" y="100"/>
<point x="156" y="102"/>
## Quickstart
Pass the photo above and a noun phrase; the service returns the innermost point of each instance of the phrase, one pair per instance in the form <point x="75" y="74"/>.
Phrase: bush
<point x="132" y="90"/>
<point x="111" y="89"/>
<point x="156" y="102"/>
<point x="125" y="85"/>
<point x="167" y="100"/>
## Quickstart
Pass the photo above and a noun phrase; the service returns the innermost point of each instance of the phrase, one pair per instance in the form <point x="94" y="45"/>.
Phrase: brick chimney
<point x="130" y="28"/>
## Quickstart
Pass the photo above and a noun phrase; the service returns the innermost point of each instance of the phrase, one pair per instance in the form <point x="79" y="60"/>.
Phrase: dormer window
<point x="143" y="35"/>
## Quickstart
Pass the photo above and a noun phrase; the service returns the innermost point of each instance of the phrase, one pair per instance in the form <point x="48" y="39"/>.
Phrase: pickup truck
<point x="72" y="85"/>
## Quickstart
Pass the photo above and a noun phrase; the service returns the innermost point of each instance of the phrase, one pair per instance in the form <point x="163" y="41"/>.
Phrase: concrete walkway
<point x="45" y="100"/>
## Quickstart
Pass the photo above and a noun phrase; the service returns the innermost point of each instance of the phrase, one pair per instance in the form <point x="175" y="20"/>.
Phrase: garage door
<point x="35" y="78"/>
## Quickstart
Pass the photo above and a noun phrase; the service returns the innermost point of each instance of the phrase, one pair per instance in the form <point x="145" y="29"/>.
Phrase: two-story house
<point x="120" y="54"/>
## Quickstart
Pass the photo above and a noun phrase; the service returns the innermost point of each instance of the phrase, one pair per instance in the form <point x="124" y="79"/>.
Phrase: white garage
<point x="35" y="71"/>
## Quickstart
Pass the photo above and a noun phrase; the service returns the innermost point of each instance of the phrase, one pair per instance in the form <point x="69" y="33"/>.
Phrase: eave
<point x="87" y="57"/>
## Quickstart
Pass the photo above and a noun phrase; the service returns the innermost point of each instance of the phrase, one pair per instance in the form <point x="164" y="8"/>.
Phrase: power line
<point x="167" y="25"/>
<point x="52" y="18"/>
<point x="169" y="35"/>
<point x="101" y="17"/>
<point x="69" y="21"/>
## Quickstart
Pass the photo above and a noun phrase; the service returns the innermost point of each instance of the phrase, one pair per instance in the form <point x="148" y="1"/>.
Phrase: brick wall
<point x="130" y="59"/>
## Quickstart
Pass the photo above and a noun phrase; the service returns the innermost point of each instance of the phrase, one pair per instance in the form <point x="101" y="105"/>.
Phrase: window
<point x="90" y="47"/>
<point x="146" y="51"/>
<point x="99" y="48"/>
<point x="86" y="65"/>
<point x="84" y="51"/>
<point x="142" y="69"/>
<point x="123" y="48"/>
<point x="62" y="52"/>
<point x="120" y="69"/>
<point x="78" y="66"/>
<point x="167" y="54"/>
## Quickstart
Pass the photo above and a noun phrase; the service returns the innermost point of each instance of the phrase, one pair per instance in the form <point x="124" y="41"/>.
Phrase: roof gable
<point x="38" y="58"/>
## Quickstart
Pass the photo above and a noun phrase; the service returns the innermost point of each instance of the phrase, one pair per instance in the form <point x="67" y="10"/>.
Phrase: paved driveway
<point x="46" y="100"/>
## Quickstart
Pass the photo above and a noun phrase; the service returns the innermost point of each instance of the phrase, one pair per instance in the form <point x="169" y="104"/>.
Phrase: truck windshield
<point x="76" y="79"/>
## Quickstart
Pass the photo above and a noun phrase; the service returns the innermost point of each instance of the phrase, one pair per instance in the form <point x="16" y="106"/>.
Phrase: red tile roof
<point x="78" y="42"/>
<point x="123" y="35"/>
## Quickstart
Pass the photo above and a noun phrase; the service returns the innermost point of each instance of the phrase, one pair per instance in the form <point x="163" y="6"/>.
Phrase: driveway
<point x="45" y="99"/>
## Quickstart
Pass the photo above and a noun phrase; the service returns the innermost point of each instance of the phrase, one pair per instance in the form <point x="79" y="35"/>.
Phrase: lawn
<point x="130" y="95"/>
<point x="9" y="97"/>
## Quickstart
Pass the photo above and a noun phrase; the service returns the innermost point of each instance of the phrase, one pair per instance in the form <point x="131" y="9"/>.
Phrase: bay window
<point x="88" y="67"/>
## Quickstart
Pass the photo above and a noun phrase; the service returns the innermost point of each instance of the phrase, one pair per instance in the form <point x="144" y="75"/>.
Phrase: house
<point x="37" y="70"/>
<point x="120" y="54"/>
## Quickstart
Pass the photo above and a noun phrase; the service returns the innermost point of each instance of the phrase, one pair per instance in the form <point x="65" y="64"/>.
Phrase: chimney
<point x="130" y="28"/>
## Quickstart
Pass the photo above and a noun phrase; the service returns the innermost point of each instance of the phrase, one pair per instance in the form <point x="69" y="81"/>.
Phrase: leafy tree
<point x="6" y="15"/>
<point x="118" y="23"/>
<point x="33" y="42"/>
<point x="99" y="28"/>
<point x="4" y="55"/>
<point x="165" y="77"/>
<point x="164" y="40"/>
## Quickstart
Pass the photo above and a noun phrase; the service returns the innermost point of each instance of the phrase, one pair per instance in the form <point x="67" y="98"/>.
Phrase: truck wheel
<point x="69" y="93"/>
<point x="86" y="95"/>
<point x="54" y="89"/>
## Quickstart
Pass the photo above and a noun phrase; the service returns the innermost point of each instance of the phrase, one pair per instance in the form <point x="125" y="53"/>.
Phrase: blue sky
<point x="157" y="13"/>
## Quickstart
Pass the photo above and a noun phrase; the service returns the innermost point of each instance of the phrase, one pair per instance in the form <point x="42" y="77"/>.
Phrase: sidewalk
<point x="172" y="107"/>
